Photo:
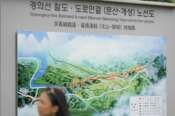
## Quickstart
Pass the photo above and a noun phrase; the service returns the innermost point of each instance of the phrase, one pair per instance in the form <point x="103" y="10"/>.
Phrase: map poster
<point x="99" y="72"/>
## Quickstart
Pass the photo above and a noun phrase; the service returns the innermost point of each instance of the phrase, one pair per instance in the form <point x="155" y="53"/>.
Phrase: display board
<point x="102" y="84"/>
<point x="110" y="58"/>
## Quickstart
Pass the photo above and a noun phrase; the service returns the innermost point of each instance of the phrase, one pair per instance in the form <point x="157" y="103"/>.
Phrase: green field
<point x="92" y="90"/>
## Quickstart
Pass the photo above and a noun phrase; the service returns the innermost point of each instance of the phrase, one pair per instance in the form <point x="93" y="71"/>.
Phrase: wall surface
<point x="15" y="16"/>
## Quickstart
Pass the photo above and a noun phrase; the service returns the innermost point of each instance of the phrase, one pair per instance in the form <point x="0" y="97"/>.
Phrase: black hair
<point x="58" y="98"/>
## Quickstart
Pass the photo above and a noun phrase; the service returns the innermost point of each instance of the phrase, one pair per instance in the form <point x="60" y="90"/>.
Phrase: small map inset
<point x="146" y="106"/>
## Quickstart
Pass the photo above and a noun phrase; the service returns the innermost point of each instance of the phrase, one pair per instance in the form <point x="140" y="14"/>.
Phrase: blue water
<point x="43" y="59"/>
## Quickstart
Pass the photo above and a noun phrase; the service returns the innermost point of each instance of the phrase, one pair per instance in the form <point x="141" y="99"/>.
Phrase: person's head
<point x="52" y="102"/>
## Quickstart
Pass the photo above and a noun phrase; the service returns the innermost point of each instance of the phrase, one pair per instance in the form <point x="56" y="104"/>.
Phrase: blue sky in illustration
<point x="87" y="46"/>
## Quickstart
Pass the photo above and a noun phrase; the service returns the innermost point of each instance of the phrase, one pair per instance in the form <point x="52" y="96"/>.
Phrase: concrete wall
<point x="14" y="17"/>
